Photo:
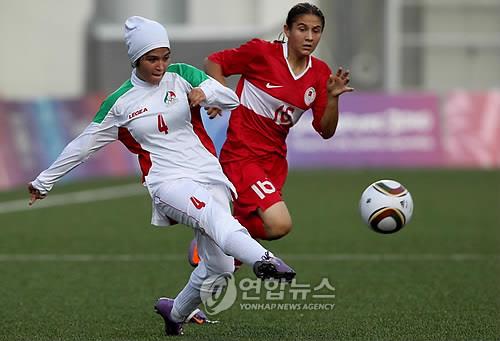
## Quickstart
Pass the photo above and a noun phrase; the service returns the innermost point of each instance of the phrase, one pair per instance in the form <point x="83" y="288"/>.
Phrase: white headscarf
<point x="143" y="35"/>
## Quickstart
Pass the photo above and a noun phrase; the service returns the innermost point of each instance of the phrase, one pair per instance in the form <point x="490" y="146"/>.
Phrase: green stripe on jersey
<point x="111" y="100"/>
<point x="191" y="74"/>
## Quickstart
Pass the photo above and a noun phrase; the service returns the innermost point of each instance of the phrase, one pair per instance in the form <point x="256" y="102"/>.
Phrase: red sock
<point x="254" y="224"/>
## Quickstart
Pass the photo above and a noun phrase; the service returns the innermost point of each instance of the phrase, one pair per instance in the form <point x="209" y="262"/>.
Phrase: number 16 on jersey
<point x="261" y="188"/>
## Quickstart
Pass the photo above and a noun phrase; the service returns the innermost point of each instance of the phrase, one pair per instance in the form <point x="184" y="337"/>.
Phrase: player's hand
<point x="213" y="112"/>
<point x="196" y="96"/>
<point x="338" y="83"/>
<point x="34" y="194"/>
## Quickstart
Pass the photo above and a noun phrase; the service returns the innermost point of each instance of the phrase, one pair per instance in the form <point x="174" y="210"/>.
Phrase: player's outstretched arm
<point x="214" y="70"/>
<point x="336" y="85"/>
<point x="94" y="137"/>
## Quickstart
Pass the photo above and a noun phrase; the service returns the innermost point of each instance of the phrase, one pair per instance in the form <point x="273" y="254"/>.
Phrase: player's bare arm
<point x="336" y="85"/>
<point x="214" y="70"/>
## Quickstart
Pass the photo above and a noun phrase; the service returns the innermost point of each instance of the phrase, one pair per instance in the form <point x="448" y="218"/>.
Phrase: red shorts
<point x="258" y="184"/>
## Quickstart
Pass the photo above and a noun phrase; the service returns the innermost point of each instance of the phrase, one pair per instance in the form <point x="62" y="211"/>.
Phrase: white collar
<point x="285" y="55"/>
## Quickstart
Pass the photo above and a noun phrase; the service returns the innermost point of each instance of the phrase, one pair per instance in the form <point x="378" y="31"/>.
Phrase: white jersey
<point x="154" y="122"/>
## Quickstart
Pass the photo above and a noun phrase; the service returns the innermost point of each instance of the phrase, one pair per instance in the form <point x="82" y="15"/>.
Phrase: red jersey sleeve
<point x="234" y="61"/>
<point x="319" y="104"/>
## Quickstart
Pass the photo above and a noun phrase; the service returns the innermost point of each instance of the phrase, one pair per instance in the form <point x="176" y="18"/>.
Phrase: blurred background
<point x="85" y="264"/>
<point x="427" y="75"/>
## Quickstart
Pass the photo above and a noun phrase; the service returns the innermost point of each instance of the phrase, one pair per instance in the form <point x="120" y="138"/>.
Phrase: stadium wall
<point x="460" y="129"/>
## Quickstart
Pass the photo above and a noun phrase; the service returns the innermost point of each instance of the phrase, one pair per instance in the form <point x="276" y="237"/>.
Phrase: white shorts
<point x="206" y="208"/>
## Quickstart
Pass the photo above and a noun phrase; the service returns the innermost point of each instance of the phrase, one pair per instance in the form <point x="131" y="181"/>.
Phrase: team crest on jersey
<point x="170" y="97"/>
<point x="310" y="95"/>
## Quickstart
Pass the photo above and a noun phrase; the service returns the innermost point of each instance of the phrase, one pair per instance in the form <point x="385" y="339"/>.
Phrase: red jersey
<point x="272" y="98"/>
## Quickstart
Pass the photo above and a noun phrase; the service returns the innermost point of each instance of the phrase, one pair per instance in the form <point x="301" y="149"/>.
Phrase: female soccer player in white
<point x="150" y="114"/>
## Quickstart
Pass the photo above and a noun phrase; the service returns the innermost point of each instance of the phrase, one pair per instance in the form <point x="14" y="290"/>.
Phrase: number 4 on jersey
<point x="197" y="203"/>
<point x="162" y="126"/>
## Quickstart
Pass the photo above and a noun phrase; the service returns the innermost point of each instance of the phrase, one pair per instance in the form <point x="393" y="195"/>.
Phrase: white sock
<point x="243" y="247"/>
<point x="185" y="303"/>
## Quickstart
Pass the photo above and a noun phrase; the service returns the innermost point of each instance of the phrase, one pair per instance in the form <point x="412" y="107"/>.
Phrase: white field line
<point x="289" y="257"/>
<point x="90" y="195"/>
<point x="136" y="189"/>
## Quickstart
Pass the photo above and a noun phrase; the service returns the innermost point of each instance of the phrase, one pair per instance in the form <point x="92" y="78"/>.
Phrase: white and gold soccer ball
<point x="386" y="206"/>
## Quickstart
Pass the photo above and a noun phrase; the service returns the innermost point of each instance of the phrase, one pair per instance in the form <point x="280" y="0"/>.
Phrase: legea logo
<point x="218" y="293"/>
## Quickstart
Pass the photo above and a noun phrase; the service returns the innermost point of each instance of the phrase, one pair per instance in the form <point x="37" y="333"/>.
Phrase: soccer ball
<point x="386" y="206"/>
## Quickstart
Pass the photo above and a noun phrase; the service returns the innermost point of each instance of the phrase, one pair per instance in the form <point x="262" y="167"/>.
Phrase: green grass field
<point x="437" y="279"/>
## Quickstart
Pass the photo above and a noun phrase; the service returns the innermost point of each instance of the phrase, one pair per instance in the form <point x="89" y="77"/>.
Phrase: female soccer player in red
<point x="279" y="82"/>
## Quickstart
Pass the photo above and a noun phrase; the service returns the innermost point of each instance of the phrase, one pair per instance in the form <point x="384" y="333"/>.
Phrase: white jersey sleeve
<point x="218" y="95"/>
<point x="93" y="138"/>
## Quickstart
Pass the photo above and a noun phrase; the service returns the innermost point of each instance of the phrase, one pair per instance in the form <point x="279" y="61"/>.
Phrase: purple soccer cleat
<point x="271" y="267"/>
<point x="164" y="307"/>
